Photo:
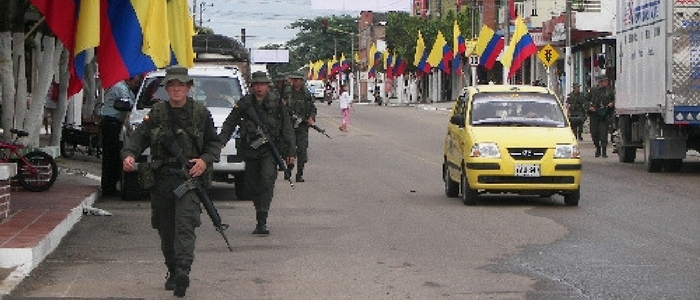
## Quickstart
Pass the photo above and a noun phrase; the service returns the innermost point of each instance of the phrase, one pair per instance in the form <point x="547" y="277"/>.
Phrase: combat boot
<point x="597" y="151"/>
<point x="261" y="227"/>
<point x="300" y="173"/>
<point x="287" y="174"/>
<point x="605" y="152"/>
<point x="170" y="278"/>
<point x="182" y="281"/>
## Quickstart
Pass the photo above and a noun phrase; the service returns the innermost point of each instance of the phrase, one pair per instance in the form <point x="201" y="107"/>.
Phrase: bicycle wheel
<point x="67" y="149"/>
<point x="42" y="177"/>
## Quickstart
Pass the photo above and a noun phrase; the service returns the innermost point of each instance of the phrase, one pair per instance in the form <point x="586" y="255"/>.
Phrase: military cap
<point x="281" y="76"/>
<point x="576" y="84"/>
<point x="259" y="77"/>
<point x="178" y="73"/>
<point x="297" y="75"/>
<point x="601" y="77"/>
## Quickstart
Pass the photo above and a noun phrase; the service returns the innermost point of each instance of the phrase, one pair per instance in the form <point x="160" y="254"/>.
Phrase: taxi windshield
<point x="516" y="109"/>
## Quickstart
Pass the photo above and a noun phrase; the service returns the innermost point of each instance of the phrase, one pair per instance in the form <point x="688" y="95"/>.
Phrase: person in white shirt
<point x="345" y="102"/>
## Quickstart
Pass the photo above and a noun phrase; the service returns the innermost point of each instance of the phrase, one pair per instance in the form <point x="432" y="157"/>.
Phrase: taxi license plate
<point x="527" y="170"/>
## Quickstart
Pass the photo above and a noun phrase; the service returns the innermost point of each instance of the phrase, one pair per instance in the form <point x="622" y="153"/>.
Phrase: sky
<point x="265" y="20"/>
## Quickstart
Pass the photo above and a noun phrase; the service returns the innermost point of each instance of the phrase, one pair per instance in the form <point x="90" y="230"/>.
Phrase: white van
<point x="228" y="80"/>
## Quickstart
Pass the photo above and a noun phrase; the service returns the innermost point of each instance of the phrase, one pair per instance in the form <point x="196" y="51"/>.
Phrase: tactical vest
<point x="270" y="114"/>
<point x="191" y="144"/>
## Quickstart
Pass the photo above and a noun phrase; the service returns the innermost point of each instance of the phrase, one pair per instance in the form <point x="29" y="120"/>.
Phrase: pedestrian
<point x="601" y="105"/>
<point x="303" y="110"/>
<point x="50" y="105"/>
<point x="119" y="100"/>
<point x="260" y="165"/>
<point x="345" y="107"/>
<point x="576" y="102"/>
<point x="188" y="125"/>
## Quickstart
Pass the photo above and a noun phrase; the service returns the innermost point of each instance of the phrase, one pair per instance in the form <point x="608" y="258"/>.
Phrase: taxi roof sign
<point x="548" y="55"/>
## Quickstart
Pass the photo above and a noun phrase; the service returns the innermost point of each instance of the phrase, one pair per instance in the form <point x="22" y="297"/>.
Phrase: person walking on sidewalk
<point x="118" y="101"/>
<point x="345" y="107"/>
<point x="576" y="102"/>
<point x="189" y="124"/>
<point x="260" y="165"/>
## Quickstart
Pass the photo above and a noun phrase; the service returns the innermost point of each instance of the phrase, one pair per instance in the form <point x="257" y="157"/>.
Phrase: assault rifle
<point x="192" y="183"/>
<point x="296" y="120"/>
<point x="265" y="139"/>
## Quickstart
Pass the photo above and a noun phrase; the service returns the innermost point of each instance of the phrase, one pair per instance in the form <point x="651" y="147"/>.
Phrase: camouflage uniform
<point x="577" y="111"/>
<point x="301" y="105"/>
<point x="260" y="165"/>
<point x="601" y="103"/>
<point x="174" y="218"/>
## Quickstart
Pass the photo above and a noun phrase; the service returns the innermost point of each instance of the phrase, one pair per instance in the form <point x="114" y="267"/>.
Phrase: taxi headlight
<point x="485" y="150"/>
<point x="567" y="151"/>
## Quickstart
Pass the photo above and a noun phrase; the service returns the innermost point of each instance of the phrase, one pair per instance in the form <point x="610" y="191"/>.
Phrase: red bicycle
<point x="36" y="170"/>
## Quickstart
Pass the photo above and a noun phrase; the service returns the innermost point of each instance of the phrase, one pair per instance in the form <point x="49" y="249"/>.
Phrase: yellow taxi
<point x="510" y="139"/>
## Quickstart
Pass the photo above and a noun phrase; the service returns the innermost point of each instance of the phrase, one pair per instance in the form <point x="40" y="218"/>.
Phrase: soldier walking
<point x="577" y="110"/>
<point x="188" y="124"/>
<point x="260" y="165"/>
<point x="301" y="106"/>
<point x="601" y="105"/>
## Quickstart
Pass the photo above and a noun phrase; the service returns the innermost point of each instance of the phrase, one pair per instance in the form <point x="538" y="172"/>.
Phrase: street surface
<point x="372" y="222"/>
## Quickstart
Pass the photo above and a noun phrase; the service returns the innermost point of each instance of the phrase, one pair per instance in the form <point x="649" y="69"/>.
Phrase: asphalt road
<point x="372" y="222"/>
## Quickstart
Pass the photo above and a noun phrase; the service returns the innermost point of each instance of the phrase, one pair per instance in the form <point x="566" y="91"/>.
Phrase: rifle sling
<point x="176" y="124"/>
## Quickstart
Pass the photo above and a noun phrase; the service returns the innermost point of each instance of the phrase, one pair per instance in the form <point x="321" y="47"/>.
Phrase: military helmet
<point x="176" y="72"/>
<point x="259" y="77"/>
<point x="601" y="77"/>
<point x="297" y="75"/>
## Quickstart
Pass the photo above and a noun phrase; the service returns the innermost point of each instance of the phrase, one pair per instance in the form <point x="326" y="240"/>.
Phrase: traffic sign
<point x="548" y="55"/>
<point x="473" y="60"/>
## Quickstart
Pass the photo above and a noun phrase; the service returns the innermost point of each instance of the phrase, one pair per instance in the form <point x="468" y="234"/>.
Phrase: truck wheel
<point x="469" y="196"/>
<point x="673" y="165"/>
<point x="451" y="187"/>
<point x="571" y="199"/>
<point x="625" y="154"/>
<point x="130" y="187"/>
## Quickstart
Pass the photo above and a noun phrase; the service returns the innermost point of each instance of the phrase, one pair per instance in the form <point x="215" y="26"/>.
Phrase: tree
<point x="311" y="43"/>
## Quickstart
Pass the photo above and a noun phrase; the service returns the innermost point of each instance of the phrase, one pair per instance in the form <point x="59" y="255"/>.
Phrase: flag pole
<point x="506" y="37"/>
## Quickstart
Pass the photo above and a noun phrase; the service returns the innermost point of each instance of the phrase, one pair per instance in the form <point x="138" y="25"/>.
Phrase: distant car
<point x="231" y="87"/>
<point x="316" y="88"/>
<point x="510" y="139"/>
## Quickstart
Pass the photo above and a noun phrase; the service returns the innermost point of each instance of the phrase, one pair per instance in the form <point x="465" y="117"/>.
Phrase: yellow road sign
<point x="548" y="55"/>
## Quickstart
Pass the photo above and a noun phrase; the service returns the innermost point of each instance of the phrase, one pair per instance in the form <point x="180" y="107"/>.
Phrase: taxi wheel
<point x="451" y="187"/>
<point x="571" y="199"/>
<point x="469" y="196"/>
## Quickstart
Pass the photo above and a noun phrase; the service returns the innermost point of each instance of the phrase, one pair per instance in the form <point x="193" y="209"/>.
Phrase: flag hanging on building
<point x="520" y="47"/>
<point x="488" y="46"/>
<point x="460" y="47"/>
<point x="420" y="60"/>
<point x="441" y="54"/>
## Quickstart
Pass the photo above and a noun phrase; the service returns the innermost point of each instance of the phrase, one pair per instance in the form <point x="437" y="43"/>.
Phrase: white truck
<point x="658" y="81"/>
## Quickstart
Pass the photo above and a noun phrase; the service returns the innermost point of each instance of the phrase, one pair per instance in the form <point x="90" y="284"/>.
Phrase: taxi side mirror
<point x="457" y="120"/>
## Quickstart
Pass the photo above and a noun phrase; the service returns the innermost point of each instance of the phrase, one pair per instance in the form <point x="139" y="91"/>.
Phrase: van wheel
<point x="571" y="199"/>
<point x="469" y="196"/>
<point x="451" y="187"/>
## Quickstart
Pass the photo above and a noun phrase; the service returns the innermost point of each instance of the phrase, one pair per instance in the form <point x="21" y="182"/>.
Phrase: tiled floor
<point x="34" y="215"/>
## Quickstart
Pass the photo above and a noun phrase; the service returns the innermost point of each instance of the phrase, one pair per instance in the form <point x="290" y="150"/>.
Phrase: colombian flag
<point x="521" y="47"/>
<point x="460" y="47"/>
<point x="441" y="54"/>
<point x="488" y="47"/>
<point x="420" y="60"/>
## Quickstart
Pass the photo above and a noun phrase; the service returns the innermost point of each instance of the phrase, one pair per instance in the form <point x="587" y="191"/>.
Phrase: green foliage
<point x="312" y="44"/>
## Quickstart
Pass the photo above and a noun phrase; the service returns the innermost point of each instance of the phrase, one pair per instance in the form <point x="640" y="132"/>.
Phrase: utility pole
<point x="568" y="68"/>
<point x="506" y="37"/>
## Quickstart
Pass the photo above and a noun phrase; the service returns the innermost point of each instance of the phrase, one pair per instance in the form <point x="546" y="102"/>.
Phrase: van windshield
<point x="212" y="91"/>
<point x="516" y="109"/>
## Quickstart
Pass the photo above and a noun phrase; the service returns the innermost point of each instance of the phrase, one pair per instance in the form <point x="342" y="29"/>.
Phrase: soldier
<point x="174" y="218"/>
<point x="301" y="106"/>
<point x="601" y="105"/>
<point x="260" y="165"/>
<point x="281" y="87"/>
<point x="577" y="110"/>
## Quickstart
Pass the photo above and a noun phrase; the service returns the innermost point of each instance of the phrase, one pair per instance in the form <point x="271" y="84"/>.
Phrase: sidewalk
<point x="38" y="222"/>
